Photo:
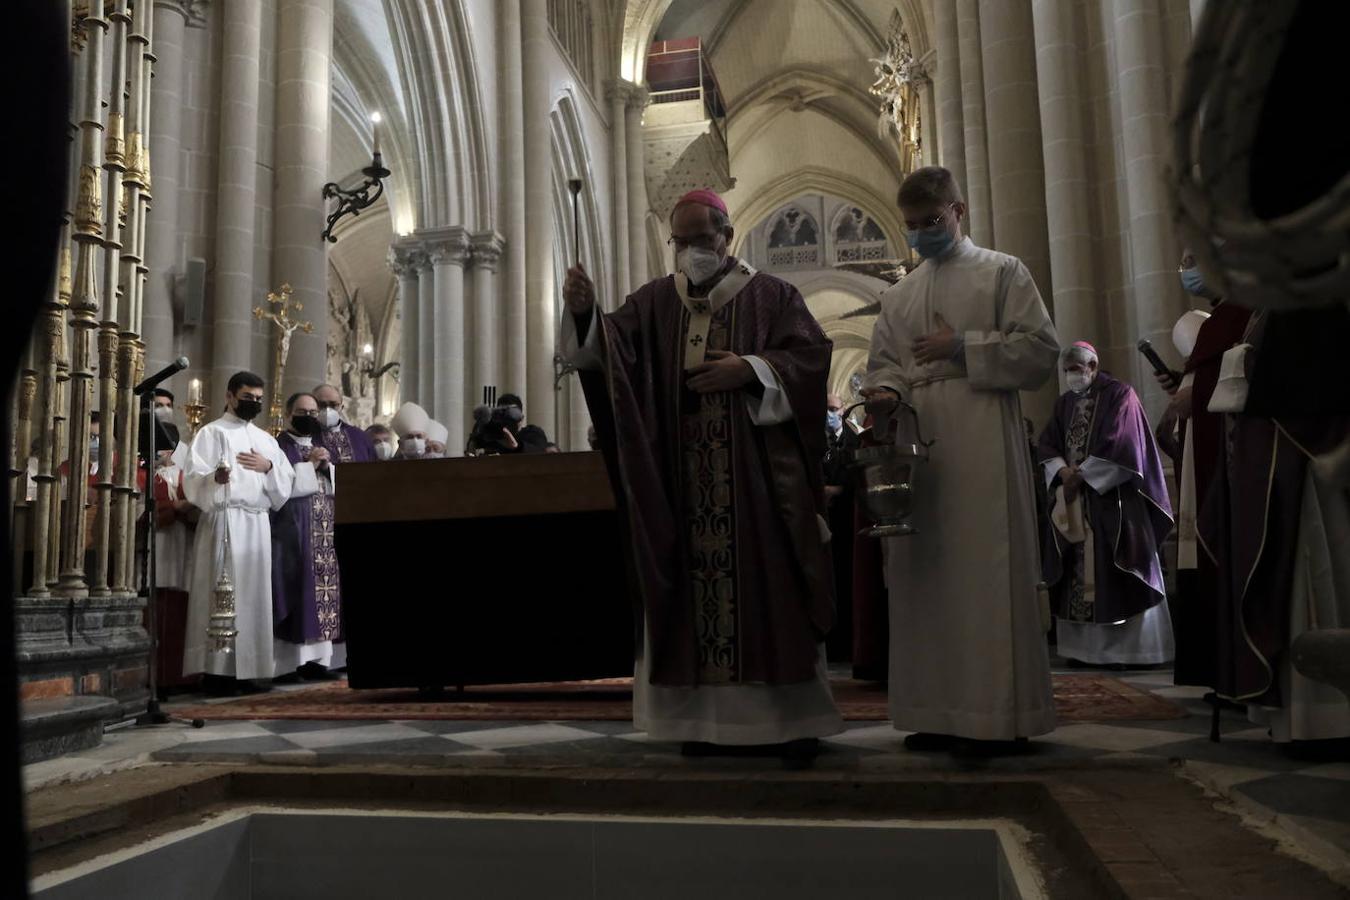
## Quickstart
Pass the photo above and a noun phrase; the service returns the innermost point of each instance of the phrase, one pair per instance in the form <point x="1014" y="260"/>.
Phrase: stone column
<point x="1157" y="298"/>
<point x="928" y="122"/>
<point x="404" y="267"/>
<point x="617" y="91"/>
<point x="448" y="257"/>
<point x="638" y="98"/>
<point x="540" y="289"/>
<point x="426" y="331"/>
<point x="1197" y="10"/>
<point x="979" y="221"/>
<point x="947" y="91"/>
<point x="300" y="256"/>
<point x="166" y="92"/>
<point x="1013" y="130"/>
<point x="486" y="250"/>
<point x="1016" y="171"/>
<point x="514" y="337"/>
<point x="236" y="195"/>
<point x="1068" y="217"/>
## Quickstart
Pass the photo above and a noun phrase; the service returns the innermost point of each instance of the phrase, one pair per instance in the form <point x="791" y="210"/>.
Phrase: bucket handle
<point x="918" y="430"/>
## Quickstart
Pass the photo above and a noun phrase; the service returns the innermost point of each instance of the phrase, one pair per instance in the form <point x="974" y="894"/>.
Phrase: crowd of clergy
<point x="731" y="471"/>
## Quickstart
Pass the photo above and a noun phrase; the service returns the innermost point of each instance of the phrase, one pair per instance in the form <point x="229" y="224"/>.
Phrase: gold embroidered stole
<point x="701" y="309"/>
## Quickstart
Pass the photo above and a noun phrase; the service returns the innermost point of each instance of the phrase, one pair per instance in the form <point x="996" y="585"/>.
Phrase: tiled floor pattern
<point x="1310" y="799"/>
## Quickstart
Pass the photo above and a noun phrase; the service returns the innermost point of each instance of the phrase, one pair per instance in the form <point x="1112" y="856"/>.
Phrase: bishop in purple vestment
<point x="346" y="443"/>
<point x="306" y="593"/>
<point x="708" y="393"/>
<point x="1109" y="516"/>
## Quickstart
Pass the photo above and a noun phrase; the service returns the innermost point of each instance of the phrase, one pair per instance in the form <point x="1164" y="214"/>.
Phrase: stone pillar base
<point x="81" y="663"/>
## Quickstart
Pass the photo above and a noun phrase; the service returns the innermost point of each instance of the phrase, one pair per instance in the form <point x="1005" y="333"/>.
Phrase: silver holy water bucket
<point x="887" y="473"/>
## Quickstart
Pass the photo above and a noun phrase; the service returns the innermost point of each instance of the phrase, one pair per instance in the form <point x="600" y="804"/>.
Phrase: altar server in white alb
<point x="958" y="338"/>
<point x="236" y="475"/>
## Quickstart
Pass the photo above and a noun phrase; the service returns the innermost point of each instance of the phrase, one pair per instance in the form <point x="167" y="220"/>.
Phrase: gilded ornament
<point x="115" y="144"/>
<point x="89" y="203"/>
<point x="64" y="287"/>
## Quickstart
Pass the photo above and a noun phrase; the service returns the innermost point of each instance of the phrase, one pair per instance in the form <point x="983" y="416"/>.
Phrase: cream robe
<point x="242" y="507"/>
<point x="968" y="650"/>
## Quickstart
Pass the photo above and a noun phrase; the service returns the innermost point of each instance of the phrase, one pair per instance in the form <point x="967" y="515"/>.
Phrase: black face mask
<point x="247" y="408"/>
<point x="305" y="425"/>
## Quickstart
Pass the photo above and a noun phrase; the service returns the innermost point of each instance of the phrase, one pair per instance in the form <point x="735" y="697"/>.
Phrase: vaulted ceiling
<point x="795" y="77"/>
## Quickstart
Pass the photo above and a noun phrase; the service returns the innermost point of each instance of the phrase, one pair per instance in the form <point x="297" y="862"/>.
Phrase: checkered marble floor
<point x="1310" y="798"/>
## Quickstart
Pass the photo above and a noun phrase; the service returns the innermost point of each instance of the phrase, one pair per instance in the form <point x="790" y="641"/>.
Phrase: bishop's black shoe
<point x="219" y="685"/>
<point x="968" y="748"/>
<point x="313" y="671"/>
<point x="925" y="742"/>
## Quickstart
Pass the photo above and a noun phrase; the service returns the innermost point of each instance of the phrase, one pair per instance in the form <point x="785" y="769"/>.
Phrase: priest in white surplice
<point x="236" y="475"/>
<point x="958" y="338"/>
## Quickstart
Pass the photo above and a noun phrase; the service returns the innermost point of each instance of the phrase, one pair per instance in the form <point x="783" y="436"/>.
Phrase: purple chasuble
<point x="347" y="443"/>
<point x="306" y="599"/>
<point x="1129" y="522"/>
<point x="721" y="514"/>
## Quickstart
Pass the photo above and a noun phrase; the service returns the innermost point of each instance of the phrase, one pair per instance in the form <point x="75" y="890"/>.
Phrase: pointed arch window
<point x="794" y="239"/>
<point x="857" y="238"/>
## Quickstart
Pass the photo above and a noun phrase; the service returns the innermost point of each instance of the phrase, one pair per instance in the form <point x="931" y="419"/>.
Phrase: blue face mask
<point x="931" y="242"/>
<point x="1194" y="282"/>
<point x="834" y="420"/>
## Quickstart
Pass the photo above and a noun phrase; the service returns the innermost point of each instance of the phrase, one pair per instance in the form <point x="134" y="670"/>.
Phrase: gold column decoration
<point x="898" y="76"/>
<point x="21" y="518"/>
<point x="114" y="165"/>
<point x="84" y="305"/>
<point x="278" y="310"/>
<point x="132" y="280"/>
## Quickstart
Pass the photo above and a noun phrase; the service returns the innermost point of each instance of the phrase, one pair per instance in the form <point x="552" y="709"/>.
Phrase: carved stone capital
<point x="446" y="246"/>
<point x="486" y="249"/>
<point x="192" y="11"/>
<point x="402" y="261"/>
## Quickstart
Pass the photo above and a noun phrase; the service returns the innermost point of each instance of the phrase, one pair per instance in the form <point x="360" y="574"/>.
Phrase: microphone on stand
<point x="163" y="374"/>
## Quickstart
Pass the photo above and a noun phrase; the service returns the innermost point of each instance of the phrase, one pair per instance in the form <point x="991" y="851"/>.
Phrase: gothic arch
<point x="434" y="47"/>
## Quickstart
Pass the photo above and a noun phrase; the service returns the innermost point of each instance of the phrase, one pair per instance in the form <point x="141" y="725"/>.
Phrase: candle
<point x="195" y="392"/>
<point x="375" y="119"/>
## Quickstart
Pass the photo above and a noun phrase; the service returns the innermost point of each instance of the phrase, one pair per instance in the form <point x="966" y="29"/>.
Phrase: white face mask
<point x="329" y="418"/>
<point x="697" y="264"/>
<point x="433" y="454"/>
<point x="383" y="450"/>
<point x="1078" y="381"/>
<point x="164" y="413"/>
<point x="413" y="446"/>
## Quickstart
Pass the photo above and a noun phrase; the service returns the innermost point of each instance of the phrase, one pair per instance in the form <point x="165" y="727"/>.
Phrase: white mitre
<point x="409" y="418"/>
<point x="437" y="432"/>
<point x="1187" y="330"/>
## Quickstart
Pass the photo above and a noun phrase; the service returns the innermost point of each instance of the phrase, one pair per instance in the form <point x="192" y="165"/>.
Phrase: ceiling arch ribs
<point x="434" y="48"/>
<point x="849" y="13"/>
<point x="827" y="94"/>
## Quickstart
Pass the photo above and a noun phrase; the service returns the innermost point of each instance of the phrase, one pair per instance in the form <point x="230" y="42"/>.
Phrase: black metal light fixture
<point x="358" y="198"/>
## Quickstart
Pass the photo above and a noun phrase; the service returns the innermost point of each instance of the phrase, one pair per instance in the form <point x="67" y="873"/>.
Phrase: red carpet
<point x="1078" y="698"/>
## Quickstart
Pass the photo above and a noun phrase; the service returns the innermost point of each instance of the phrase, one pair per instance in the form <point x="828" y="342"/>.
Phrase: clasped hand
<point x="722" y="371"/>
<point x="1072" y="480"/>
<point x="939" y="346"/>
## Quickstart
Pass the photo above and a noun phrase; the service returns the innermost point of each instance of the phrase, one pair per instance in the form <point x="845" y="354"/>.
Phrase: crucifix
<point x="278" y="310"/>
